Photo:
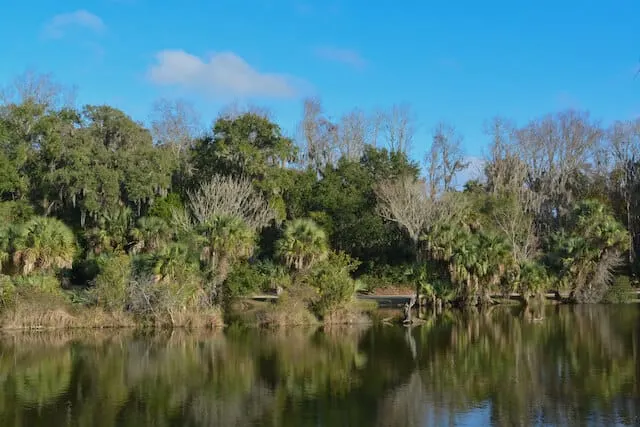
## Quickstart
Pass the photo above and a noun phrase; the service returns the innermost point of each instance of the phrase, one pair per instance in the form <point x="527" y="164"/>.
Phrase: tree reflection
<point x="570" y="365"/>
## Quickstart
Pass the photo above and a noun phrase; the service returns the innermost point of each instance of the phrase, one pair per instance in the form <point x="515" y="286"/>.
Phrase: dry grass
<point x="25" y="315"/>
<point x="354" y="313"/>
<point x="36" y="314"/>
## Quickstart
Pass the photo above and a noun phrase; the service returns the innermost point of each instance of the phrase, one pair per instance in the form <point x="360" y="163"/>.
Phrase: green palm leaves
<point x="224" y="240"/>
<point x="302" y="245"/>
<point x="43" y="244"/>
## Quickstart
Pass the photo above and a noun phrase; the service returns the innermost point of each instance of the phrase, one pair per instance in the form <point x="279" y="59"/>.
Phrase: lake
<point x="564" y="365"/>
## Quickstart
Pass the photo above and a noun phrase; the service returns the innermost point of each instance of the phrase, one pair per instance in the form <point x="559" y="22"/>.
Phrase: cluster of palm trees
<point x="39" y="245"/>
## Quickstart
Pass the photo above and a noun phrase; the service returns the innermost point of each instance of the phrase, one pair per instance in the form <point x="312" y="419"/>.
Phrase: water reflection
<point x="568" y="366"/>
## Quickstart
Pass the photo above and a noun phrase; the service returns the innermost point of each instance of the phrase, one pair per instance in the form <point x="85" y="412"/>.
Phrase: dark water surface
<point x="577" y="366"/>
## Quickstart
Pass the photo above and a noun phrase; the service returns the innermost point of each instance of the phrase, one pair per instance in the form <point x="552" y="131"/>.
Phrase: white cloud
<point x="223" y="74"/>
<point x="345" y="56"/>
<point x="57" y="26"/>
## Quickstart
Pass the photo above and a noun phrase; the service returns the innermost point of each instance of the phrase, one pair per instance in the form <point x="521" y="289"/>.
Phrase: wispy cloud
<point x="345" y="56"/>
<point x="221" y="75"/>
<point x="57" y="25"/>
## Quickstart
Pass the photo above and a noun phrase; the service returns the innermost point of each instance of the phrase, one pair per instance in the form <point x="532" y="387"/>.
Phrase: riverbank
<point x="262" y="311"/>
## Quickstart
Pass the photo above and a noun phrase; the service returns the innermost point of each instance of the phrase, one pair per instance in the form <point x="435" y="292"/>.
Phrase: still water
<point x="571" y="365"/>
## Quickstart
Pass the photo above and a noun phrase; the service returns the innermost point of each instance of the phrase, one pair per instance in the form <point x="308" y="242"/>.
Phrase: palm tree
<point x="224" y="240"/>
<point x="110" y="234"/>
<point x="172" y="260"/>
<point x="150" y="234"/>
<point x="303" y="244"/>
<point x="43" y="243"/>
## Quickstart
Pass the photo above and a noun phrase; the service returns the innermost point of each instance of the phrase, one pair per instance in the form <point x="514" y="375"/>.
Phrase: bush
<point x="332" y="280"/>
<point x="262" y="276"/>
<point x="7" y="292"/>
<point x="383" y="276"/>
<point x="37" y="284"/>
<point x="164" y="207"/>
<point x="620" y="291"/>
<point x="14" y="212"/>
<point x="110" y="285"/>
<point x="244" y="279"/>
<point x="166" y="301"/>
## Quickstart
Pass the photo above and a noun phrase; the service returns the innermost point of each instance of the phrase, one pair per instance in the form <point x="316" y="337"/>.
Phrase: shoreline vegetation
<point x="109" y="222"/>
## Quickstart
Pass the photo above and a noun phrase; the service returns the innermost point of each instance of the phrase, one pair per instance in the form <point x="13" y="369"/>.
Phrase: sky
<point x="459" y="61"/>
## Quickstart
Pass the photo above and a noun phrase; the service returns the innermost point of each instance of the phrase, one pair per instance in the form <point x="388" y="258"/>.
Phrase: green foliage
<point x="332" y="280"/>
<point x="251" y="146"/>
<point x="225" y="240"/>
<point x="251" y="278"/>
<point x="15" y="211"/>
<point x="7" y="291"/>
<point x="38" y="283"/>
<point x="164" y="207"/>
<point x="111" y="284"/>
<point x="43" y="244"/>
<point x="533" y="278"/>
<point x="585" y="255"/>
<point x="620" y="291"/>
<point x="302" y="244"/>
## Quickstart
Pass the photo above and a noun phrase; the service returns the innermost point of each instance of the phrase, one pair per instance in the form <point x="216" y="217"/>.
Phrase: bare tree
<point x="40" y="89"/>
<point x="320" y="136"/>
<point x="398" y="126"/>
<point x="557" y="150"/>
<point x="405" y="202"/>
<point x="376" y="121"/>
<point x="516" y="204"/>
<point x="174" y="123"/>
<point x="224" y="195"/>
<point x="354" y="131"/>
<point x="444" y="159"/>
<point x="624" y="140"/>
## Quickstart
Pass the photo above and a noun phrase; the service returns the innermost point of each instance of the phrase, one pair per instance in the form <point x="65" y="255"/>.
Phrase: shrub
<point x="7" y="292"/>
<point x="37" y="284"/>
<point x="164" y="207"/>
<point x="110" y="285"/>
<point x="262" y="276"/>
<point x="332" y="280"/>
<point x="620" y="291"/>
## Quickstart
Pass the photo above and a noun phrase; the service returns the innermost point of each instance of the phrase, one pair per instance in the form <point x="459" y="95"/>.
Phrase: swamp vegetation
<point x="106" y="221"/>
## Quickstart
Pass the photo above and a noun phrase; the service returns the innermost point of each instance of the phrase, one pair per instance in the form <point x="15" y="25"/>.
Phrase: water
<point x="576" y="366"/>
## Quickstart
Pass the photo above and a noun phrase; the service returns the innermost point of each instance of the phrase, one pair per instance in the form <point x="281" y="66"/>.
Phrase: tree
<point x="624" y="140"/>
<point x="302" y="245"/>
<point x="320" y="137"/>
<point x="174" y="123"/>
<point x="150" y="234"/>
<point x="35" y="88"/>
<point x="444" y="159"/>
<point x="224" y="240"/>
<point x="557" y="150"/>
<point x="229" y="196"/>
<point x="587" y="253"/>
<point x="398" y="125"/>
<point x="43" y="244"/>
<point x="405" y="202"/>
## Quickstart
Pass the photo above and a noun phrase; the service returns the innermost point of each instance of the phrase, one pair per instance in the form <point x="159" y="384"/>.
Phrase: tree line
<point x="162" y="221"/>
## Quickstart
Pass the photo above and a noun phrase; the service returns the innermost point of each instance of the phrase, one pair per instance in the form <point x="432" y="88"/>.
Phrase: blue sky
<point x="460" y="61"/>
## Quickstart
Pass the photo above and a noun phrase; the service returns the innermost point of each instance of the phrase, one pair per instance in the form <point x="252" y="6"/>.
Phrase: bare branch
<point x="175" y="123"/>
<point x="398" y="125"/>
<point x="41" y="89"/>
<point x="224" y="195"/>
<point x="405" y="202"/>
